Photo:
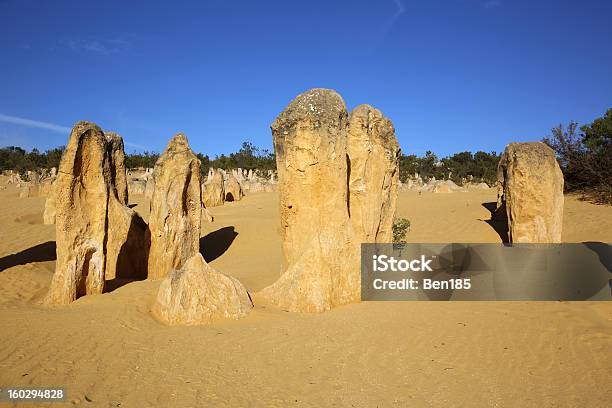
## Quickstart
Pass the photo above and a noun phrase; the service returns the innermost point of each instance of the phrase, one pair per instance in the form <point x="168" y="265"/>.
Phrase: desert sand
<point x="108" y="351"/>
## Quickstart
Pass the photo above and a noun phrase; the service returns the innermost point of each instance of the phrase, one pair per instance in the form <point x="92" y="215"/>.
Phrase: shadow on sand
<point x="132" y="259"/>
<point x="39" y="253"/>
<point x="605" y="257"/>
<point x="214" y="244"/>
<point x="498" y="221"/>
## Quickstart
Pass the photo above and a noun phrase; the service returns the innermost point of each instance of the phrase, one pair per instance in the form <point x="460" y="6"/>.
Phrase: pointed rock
<point x="118" y="171"/>
<point x="174" y="222"/>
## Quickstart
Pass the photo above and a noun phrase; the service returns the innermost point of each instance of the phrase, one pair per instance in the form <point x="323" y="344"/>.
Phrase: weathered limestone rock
<point x="25" y="192"/>
<point x="174" y="223"/>
<point x="478" y="186"/>
<point x="45" y="188"/>
<point x="192" y="292"/>
<point x="442" y="188"/>
<point x="213" y="190"/>
<point x="206" y="215"/>
<point x="530" y="192"/>
<point x="197" y="294"/>
<point x="233" y="190"/>
<point x="255" y="187"/>
<point x="35" y="189"/>
<point x="321" y="255"/>
<point x="94" y="231"/>
<point x="126" y="248"/>
<point x="373" y="154"/>
<point x="49" y="214"/>
<point x="82" y="193"/>
<point x="137" y="187"/>
<point x="118" y="171"/>
<point x="14" y="178"/>
<point x="149" y="188"/>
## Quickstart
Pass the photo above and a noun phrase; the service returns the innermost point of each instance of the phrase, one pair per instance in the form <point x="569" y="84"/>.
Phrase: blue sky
<point x="452" y="75"/>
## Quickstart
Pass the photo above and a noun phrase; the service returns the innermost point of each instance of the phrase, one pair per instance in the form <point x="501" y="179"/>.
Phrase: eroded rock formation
<point x="118" y="171"/>
<point x="94" y="230"/>
<point x="192" y="291"/>
<point x="373" y="154"/>
<point x="213" y="190"/>
<point x="137" y="187"/>
<point x="149" y="188"/>
<point x="233" y="189"/>
<point x="338" y="181"/>
<point x="49" y="214"/>
<point x="530" y="193"/>
<point x="174" y="223"/>
<point x="197" y="294"/>
<point x="321" y="256"/>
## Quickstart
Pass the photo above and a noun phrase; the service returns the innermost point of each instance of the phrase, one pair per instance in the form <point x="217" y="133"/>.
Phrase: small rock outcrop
<point x="49" y="214"/>
<point x="197" y="294"/>
<point x="149" y="188"/>
<point x="96" y="235"/>
<point x="373" y="154"/>
<point x="530" y="193"/>
<point x="137" y="187"/>
<point x="233" y="189"/>
<point x="213" y="190"/>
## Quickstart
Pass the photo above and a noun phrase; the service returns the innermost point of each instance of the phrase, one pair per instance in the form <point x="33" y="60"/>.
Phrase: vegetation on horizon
<point x="457" y="167"/>
<point x="248" y="157"/>
<point x="482" y="166"/>
<point x="18" y="159"/>
<point x="585" y="157"/>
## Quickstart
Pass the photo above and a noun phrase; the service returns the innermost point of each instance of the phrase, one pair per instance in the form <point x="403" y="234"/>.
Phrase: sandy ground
<point x="107" y="350"/>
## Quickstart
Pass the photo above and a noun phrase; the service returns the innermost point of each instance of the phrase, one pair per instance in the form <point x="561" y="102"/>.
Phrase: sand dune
<point x="108" y="351"/>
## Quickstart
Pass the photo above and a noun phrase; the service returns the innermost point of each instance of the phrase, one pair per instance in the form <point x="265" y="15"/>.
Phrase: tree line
<point x="585" y="157"/>
<point x="248" y="157"/>
<point x="17" y="159"/>
<point x="584" y="154"/>
<point x="482" y="166"/>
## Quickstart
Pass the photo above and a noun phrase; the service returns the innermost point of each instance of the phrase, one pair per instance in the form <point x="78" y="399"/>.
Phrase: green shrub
<point x="401" y="227"/>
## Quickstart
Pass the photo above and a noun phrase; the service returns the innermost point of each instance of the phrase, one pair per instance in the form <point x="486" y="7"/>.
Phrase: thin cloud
<point x="50" y="126"/>
<point x="401" y="9"/>
<point x="400" y="6"/>
<point x="492" y="4"/>
<point x="33" y="123"/>
<point x="97" y="46"/>
<point x="387" y="26"/>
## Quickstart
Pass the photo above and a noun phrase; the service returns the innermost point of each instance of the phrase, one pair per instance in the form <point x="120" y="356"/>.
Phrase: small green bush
<point x="401" y="227"/>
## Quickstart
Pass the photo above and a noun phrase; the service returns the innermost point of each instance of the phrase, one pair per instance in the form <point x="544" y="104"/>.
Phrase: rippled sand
<point x="108" y="351"/>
